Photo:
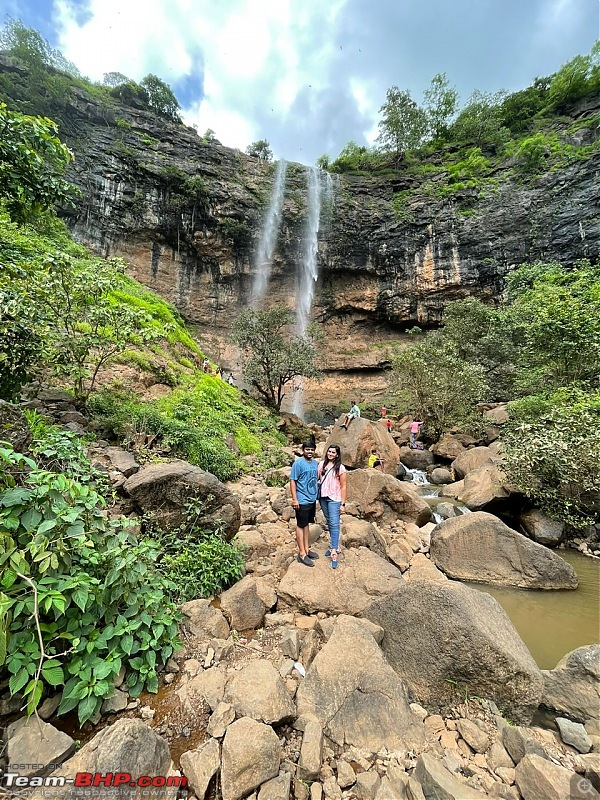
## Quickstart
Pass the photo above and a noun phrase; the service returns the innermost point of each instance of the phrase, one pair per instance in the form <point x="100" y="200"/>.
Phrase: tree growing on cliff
<point x="441" y="102"/>
<point x="403" y="124"/>
<point x="260" y="149"/>
<point x="161" y="98"/>
<point x="272" y="354"/>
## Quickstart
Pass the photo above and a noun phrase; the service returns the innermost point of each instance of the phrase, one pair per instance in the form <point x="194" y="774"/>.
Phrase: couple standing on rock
<point x="327" y="481"/>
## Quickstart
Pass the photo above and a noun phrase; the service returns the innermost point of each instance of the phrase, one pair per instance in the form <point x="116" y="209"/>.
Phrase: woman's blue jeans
<point x="331" y="510"/>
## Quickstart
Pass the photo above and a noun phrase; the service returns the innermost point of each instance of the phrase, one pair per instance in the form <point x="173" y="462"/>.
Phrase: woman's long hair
<point x="337" y="463"/>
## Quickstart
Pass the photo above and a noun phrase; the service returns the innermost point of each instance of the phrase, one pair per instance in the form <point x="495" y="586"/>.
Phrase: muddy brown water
<point x="552" y="623"/>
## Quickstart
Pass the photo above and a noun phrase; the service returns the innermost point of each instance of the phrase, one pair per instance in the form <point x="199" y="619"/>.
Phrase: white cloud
<point x="310" y="75"/>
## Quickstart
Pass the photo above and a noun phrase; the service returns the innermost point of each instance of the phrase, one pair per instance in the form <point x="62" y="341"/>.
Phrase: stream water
<point x="551" y="623"/>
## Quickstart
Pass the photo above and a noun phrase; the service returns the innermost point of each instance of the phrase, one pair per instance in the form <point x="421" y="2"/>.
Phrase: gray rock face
<point x="573" y="686"/>
<point x="440" y="636"/>
<point x="361" y="578"/>
<point x="166" y="488"/>
<point x="574" y="733"/>
<point x="251" y="755"/>
<point x="480" y="547"/>
<point x="355" y="695"/>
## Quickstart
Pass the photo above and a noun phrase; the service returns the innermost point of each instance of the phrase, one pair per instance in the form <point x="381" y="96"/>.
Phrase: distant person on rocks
<point x="375" y="461"/>
<point x="415" y="427"/>
<point x="231" y="379"/>
<point x="303" y="486"/>
<point x="222" y="374"/>
<point x="205" y="365"/>
<point x="354" y="413"/>
<point x="388" y="425"/>
<point x="332" y="485"/>
<point x="383" y="411"/>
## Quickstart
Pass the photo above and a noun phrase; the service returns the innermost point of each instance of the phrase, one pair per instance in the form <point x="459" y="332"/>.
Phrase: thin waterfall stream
<point x="309" y="272"/>
<point x="268" y="239"/>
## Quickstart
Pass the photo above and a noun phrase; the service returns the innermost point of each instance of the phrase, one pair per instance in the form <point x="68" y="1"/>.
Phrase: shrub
<point x="80" y="597"/>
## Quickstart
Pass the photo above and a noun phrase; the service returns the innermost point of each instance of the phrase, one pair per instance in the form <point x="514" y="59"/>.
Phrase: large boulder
<point x="416" y="459"/>
<point x="127" y="746"/>
<point x="541" y="528"/>
<point x="356" y="696"/>
<point x="251" y="755"/>
<point x="471" y="459"/>
<point x="573" y="686"/>
<point x="480" y="547"/>
<point x="258" y="691"/>
<point x="540" y="779"/>
<point x="357" y="442"/>
<point x="360" y="533"/>
<point x="361" y="578"/>
<point x="485" y="488"/>
<point x="165" y="489"/>
<point x="28" y="737"/>
<point x="384" y="499"/>
<point x="449" y="447"/>
<point x="445" y="638"/>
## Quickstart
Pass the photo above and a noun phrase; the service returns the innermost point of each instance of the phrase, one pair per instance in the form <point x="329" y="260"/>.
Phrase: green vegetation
<point x="540" y="350"/>
<point x="80" y="598"/>
<point x="272" y="355"/>
<point x="261" y="150"/>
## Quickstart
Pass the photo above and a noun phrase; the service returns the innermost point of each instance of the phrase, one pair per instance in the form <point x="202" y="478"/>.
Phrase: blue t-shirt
<point x="304" y="473"/>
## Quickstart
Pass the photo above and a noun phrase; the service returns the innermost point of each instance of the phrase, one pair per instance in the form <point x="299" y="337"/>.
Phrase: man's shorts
<point x="305" y="514"/>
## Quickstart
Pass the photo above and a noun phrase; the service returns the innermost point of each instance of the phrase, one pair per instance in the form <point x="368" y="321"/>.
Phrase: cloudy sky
<point x="310" y="75"/>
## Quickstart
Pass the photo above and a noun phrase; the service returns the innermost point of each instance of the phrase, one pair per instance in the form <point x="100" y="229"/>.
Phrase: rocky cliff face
<point x="186" y="215"/>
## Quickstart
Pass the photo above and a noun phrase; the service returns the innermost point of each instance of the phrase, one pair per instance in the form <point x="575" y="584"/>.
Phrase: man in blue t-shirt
<point x="303" y="486"/>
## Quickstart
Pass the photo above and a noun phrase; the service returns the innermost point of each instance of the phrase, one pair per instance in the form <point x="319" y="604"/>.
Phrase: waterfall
<point x="268" y="239"/>
<point x="309" y="273"/>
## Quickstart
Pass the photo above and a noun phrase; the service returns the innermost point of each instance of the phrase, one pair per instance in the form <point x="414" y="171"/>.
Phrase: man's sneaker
<point x="305" y="560"/>
<point x="313" y="555"/>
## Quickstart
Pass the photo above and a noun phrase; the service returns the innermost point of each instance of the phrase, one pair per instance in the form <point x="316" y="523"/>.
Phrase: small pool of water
<point x="552" y="623"/>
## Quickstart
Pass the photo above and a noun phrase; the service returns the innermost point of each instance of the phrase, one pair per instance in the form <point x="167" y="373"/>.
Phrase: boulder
<point x="122" y="460"/>
<point x="384" y="499"/>
<point x="542" y="529"/>
<point x="497" y="415"/>
<point x="251" y="755"/>
<point x="573" y="686"/>
<point x="204" y="620"/>
<point x="357" y="442"/>
<point x="443" y="637"/>
<point x="258" y="691"/>
<point x="574" y="734"/>
<point x="361" y="578"/>
<point x="422" y="569"/>
<point x="416" y="459"/>
<point x="471" y="459"/>
<point x="448" y="447"/>
<point x="165" y="489"/>
<point x="243" y="606"/>
<point x="440" y="476"/>
<point x="439" y="783"/>
<point x="201" y="765"/>
<point x="480" y="547"/>
<point x="361" y="533"/>
<point x="540" y="779"/>
<point x="485" y="488"/>
<point x="35" y="745"/>
<point x="356" y="696"/>
<point x="277" y="788"/>
<point x="127" y="746"/>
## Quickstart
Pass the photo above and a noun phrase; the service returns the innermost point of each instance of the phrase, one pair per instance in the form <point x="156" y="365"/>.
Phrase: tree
<point x="576" y="79"/>
<point x="272" y="355"/>
<point x="29" y="46"/>
<point x="86" y="327"/>
<point x="480" y="121"/>
<point x="355" y="157"/>
<point x="484" y="336"/>
<point x="113" y="79"/>
<point x="161" y="98"/>
<point x="403" y="124"/>
<point x="323" y="162"/>
<point x="441" y="101"/>
<point x="261" y="150"/>
<point x="437" y="385"/>
<point x="33" y="161"/>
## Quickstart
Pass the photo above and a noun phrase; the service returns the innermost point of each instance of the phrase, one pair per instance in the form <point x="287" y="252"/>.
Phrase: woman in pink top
<point x="414" y="432"/>
<point x="332" y="483"/>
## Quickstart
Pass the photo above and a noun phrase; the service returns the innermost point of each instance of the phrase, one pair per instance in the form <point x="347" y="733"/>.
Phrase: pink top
<point x="414" y="427"/>
<point x="330" y="487"/>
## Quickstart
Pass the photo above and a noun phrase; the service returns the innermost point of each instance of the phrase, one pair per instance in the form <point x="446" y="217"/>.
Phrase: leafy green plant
<point x="80" y="597"/>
